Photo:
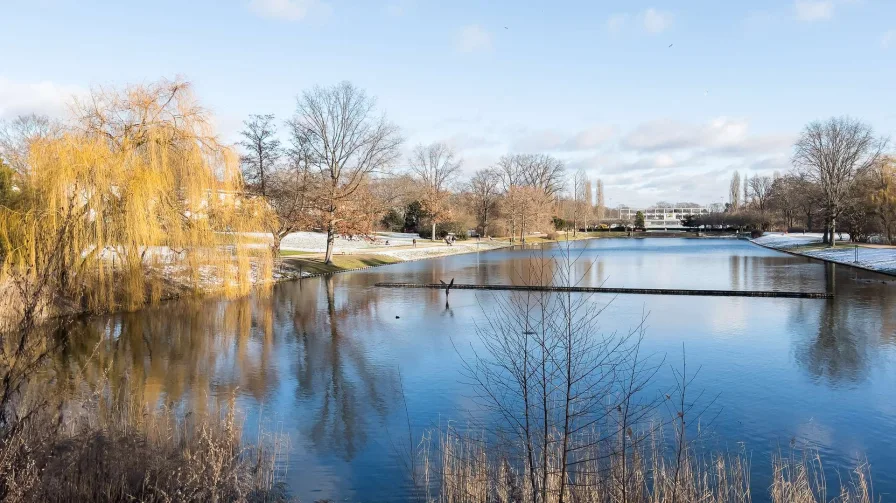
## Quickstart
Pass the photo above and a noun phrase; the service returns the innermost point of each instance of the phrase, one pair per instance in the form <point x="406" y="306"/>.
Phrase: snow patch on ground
<point x="877" y="259"/>
<point x="785" y="241"/>
<point x="317" y="241"/>
<point x="439" y="251"/>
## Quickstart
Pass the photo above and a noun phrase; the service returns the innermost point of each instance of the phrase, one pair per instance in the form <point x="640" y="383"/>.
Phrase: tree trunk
<point x="275" y="246"/>
<point x="833" y="232"/>
<point x="432" y="236"/>
<point x="331" y="238"/>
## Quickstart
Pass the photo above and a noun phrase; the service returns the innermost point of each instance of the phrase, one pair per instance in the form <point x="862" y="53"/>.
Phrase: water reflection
<point x="847" y="331"/>
<point x="334" y="375"/>
<point x="185" y="353"/>
<point x="323" y="354"/>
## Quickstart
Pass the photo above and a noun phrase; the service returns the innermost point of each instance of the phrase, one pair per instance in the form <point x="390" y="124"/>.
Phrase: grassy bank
<point x="314" y="263"/>
<point x="304" y="262"/>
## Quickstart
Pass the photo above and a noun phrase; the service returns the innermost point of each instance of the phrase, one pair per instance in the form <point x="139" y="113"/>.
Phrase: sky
<point x="662" y="100"/>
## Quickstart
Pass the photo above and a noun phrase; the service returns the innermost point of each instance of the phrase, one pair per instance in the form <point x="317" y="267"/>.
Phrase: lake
<point x="346" y="368"/>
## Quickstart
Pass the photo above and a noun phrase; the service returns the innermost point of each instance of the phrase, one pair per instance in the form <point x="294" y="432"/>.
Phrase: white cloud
<point x="288" y="10"/>
<point x="672" y="160"/>
<point x="656" y="21"/>
<point x="558" y="141"/>
<point x="888" y="39"/>
<point x="722" y="136"/>
<point x="467" y="141"/>
<point x="593" y="137"/>
<point x="399" y="8"/>
<point x="813" y="10"/>
<point x="474" y="38"/>
<point x="652" y="21"/>
<point x="42" y="98"/>
<point x="616" y="23"/>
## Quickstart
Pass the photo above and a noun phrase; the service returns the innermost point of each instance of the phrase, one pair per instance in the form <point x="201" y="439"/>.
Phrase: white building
<point x="663" y="216"/>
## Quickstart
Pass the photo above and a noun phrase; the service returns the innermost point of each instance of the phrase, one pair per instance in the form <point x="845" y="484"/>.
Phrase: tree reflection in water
<point x="333" y="368"/>
<point x="187" y="353"/>
<point x="323" y="354"/>
<point x="181" y="354"/>
<point x="849" y="331"/>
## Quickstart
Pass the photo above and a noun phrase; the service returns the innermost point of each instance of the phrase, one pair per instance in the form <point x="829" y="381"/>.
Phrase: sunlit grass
<point x="316" y="265"/>
<point x="294" y="253"/>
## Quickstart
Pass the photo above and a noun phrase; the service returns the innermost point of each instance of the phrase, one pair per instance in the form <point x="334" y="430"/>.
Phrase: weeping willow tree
<point x="135" y="197"/>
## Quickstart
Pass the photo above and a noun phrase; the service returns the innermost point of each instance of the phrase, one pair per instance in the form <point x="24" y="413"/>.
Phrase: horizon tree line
<point x="340" y="174"/>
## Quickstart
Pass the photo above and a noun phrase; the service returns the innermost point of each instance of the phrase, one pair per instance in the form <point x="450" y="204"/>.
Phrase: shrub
<point x="442" y="230"/>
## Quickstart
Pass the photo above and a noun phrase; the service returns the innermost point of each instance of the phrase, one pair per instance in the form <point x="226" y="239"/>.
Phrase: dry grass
<point x="110" y="448"/>
<point x="464" y="468"/>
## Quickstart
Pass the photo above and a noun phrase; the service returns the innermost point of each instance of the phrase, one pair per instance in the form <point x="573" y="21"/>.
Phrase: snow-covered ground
<point x="877" y="259"/>
<point x="317" y="241"/>
<point x="422" y="251"/>
<point x="785" y="241"/>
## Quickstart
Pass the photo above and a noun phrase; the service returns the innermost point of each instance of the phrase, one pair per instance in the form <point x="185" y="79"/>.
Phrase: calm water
<point x="326" y="359"/>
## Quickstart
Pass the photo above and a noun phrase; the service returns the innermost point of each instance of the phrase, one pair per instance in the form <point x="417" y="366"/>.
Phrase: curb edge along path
<point x="824" y="259"/>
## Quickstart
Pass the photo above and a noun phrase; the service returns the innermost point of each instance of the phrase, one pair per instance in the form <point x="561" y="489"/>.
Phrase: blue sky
<point x="594" y="83"/>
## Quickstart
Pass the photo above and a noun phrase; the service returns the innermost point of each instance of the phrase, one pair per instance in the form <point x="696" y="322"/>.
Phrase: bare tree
<point x="543" y="172"/>
<point x="435" y="166"/>
<point x="509" y="172"/>
<point x="761" y="189"/>
<point x="734" y="191"/>
<point x="262" y="151"/>
<point x="289" y="188"/>
<point x="16" y="137"/>
<point x="784" y="199"/>
<point x="347" y="143"/>
<point x="832" y="154"/>
<point x="589" y="205"/>
<point x="485" y="193"/>
<point x="580" y="184"/>
<point x="564" y="393"/>
<point x="600" y="207"/>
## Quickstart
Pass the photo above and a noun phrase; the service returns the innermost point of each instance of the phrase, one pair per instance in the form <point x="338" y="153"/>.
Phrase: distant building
<point x="663" y="216"/>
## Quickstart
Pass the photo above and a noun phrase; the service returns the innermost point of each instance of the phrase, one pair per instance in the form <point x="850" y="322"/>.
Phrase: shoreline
<point x="380" y="257"/>
<point x="294" y="265"/>
<point x="848" y="249"/>
<point x="311" y="259"/>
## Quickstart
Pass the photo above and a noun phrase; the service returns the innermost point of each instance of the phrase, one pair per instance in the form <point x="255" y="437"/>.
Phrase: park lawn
<point x="294" y="253"/>
<point x="315" y="264"/>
